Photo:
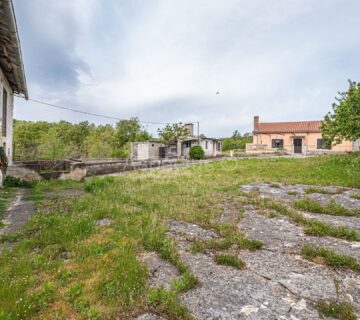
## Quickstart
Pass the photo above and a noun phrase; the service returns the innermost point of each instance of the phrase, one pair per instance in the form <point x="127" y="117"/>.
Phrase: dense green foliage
<point x="48" y="141"/>
<point x="237" y="141"/>
<point x="196" y="153"/>
<point x="344" y="122"/>
<point x="173" y="132"/>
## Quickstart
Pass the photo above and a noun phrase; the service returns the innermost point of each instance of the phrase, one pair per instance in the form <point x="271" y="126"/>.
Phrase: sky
<point x="219" y="62"/>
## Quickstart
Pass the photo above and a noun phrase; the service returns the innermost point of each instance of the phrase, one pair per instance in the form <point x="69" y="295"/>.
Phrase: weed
<point x="332" y="208"/>
<point x="330" y="258"/>
<point x="275" y="185"/>
<point x="126" y="280"/>
<point x="98" y="183"/>
<point x="336" y="310"/>
<point x="219" y="244"/>
<point x="35" y="197"/>
<point x="292" y="193"/>
<point x="186" y="282"/>
<point x="311" y="226"/>
<point x="167" y="302"/>
<point x="318" y="190"/>
<point x="229" y="260"/>
<point x="355" y="196"/>
<point x="197" y="247"/>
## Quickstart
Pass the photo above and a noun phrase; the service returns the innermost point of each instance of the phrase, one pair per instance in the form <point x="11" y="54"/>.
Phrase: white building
<point x="155" y="150"/>
<point x="12" y="75"/>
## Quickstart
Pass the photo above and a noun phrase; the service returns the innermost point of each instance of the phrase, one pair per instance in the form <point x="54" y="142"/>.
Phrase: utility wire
<point x="85" y="112"/>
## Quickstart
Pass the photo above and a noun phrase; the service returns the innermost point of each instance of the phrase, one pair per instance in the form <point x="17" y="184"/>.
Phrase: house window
<point x="206" y="144"/>
<point x="277" y="143"/>
<point x="218" y="146"/>
<point x="321" y="144"/>
<point x="187" y="144"/>
<point x="4" y="112"/>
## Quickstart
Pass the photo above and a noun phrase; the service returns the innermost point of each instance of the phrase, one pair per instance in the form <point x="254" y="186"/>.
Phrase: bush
<point x="12" y="182"/>
<point x="196" y="153"/>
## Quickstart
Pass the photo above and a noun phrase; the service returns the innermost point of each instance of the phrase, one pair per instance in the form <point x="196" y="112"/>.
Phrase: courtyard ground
<point x="242" y="239"/>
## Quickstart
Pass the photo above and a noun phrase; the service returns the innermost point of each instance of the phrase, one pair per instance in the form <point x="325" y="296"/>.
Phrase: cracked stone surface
<point x="350" y="222"/>
<point x="277" y="282"/>
<point x="282" y="234"/>
<point x="342" y="196"/>
<point x="184" y="233"/>
<point x="162" y="272"/>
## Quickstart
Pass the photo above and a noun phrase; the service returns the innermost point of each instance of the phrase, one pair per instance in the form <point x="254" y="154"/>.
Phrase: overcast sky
<point x="165" y="60"/>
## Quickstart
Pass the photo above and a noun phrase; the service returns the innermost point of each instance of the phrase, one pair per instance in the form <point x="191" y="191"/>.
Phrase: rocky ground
<point x="277" y="282"/>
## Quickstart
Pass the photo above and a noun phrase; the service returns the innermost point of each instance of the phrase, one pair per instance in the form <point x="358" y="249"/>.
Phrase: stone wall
<point x="79" y="169"/>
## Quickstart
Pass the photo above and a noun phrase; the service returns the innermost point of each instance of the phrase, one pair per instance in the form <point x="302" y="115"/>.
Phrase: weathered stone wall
<point x="77" y="170"/>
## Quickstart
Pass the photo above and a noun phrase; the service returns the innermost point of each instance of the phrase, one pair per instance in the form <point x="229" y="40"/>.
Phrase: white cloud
<point x="168" y="58"/>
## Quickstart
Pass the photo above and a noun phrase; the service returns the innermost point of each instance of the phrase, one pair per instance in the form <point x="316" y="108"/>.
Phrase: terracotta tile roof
<point x="289" y="127"/>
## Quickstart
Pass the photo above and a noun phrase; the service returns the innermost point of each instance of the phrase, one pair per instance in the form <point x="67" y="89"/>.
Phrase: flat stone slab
<point x="277" y="283"/>
<point x="282" y="234"/>
<point x="352" y="222"/>
<point x="281" y="192"/>
<point x="18" y="212"/>
<point x="161" y="272"/>
<point x="305" y="279"/>
<point x="184" y="233"/>
<point x="228" y="293"/>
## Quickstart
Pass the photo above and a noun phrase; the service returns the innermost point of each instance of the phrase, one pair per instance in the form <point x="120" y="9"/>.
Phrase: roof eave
<point x="11" y="19"/>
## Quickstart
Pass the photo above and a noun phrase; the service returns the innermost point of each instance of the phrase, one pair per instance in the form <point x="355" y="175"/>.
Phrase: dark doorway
<point x="297" y="145"/>
<point x="162" y="152"/>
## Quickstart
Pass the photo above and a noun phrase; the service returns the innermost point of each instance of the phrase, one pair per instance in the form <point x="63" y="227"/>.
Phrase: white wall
<point x="8" y="140"/>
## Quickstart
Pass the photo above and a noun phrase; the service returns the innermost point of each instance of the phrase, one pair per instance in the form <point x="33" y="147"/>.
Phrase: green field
<point x="63" y="266"/>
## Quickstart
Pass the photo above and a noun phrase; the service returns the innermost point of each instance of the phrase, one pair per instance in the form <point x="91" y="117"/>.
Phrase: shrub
<point x="196" y="153"/>
<point x="12" y="182"/>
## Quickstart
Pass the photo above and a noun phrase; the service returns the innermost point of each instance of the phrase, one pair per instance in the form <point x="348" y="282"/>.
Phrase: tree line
<point x="49" y="140"/>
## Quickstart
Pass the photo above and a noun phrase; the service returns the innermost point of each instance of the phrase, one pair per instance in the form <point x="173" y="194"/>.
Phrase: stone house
<point x="300" y="137"/>
<point x="155" y="150"/>
<point x="12" y="74"/>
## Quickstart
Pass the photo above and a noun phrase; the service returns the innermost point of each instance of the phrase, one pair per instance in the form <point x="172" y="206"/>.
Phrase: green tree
<point x="344" y="122"/>
<point x="173" y="132"/>
<point x="129" y="131"/>
<point x="237" y="141"/>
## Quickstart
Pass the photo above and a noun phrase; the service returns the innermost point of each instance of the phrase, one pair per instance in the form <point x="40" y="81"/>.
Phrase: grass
<point x="229" y="260"/>
<point x="318" y="190"/>
<point x="336" y="310"/>
<point x="274" y="185"/>
<point x="5" y="194"/>
<point x="330" y="258"/>
<point x="332" y="208"/>
<point x="355" y="196"/>
<point x="311" y="226"/>
<point x="292" y="193"/>
<point x="94" y="273"/>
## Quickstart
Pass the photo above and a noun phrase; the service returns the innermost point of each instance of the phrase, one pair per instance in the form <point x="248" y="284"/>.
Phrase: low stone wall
<point x="79" y="169"/>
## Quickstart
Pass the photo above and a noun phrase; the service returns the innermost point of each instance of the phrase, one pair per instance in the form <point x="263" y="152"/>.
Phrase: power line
<point x="85" y="112"/>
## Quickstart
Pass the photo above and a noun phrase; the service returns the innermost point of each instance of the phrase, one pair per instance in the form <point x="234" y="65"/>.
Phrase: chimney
<point x="256" y="123"/>
<point x="190" y="127"/>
